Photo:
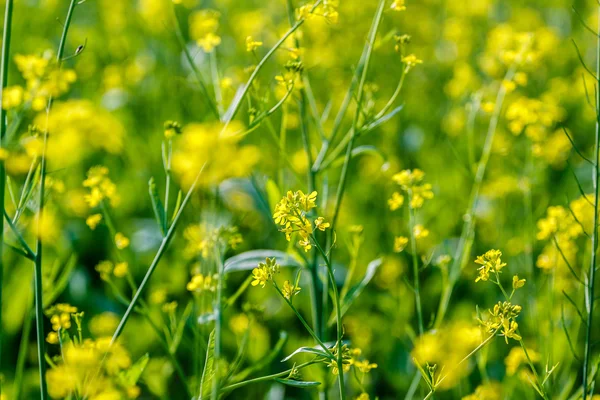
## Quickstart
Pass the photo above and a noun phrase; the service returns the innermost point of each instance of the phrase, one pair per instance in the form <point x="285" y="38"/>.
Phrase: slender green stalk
<point x="161" y="250"/>
<point x="265" y="378"/>
<point x="355" y="123"/>
<point x="415" y="262"/>
<point x="195" y="70"/>
<point x="218" y="323"/>
<point x="6" y="38"/>
<point x="592" y="274"/>
<point x="338" y="313"/>
<point x="39" y="304"/>
<point x="464" y="245"/>
<point x="23" y="350"/>
<point x="237" y="101"/>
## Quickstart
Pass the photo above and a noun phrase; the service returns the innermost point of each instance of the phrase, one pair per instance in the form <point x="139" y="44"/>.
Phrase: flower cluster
<point x="107" y="269"/>
<point x="265" y="272"/>
<point x="60" y="317"/>
<point x="502" y="318"/>
<point x="411" y="181"/>
<point x="202" y="239"/>
<point x="203" y="29"/>
<point x="291" y="213"/>
<point x="327" y="9"/>
<point x="561" y="228"/>
<point x="100" y="187"/>
<point x="42" y="80"/>
<point x="202" y="283"/>
<point x="490" y="262"/>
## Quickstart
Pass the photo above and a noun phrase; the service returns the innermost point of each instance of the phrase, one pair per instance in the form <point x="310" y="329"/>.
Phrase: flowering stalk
<point x="593" y="261"/>
<point x="6" y="36"/>
<point x="39" y="305"/>
<point x="464" y="246"/>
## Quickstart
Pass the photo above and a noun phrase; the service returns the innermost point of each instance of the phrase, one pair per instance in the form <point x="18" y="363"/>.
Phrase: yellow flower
<point x="209" y="42"/>
<point x="264" y="272"/>
<point x="52" y="338"/>
<point x="490" y="261"/>
<point x="251" y="44"/>
<point x="396" y="201"/>
<point x="12" y="97"/>
<point x="289" y="290"/>
<point x="121" y="269"/>
<point x="517" y="283"/>
<point x="93" y="220"/>
<point x="200" y="283"/>
<point x="398" y="5"/>
<point x="364" y="366"/>
<point x="321" y="225"/>
<point x="121" y="241"/>
<point x="420" y="232"/>
<point x="410" y="61"/>
<point x="400" y="243"/>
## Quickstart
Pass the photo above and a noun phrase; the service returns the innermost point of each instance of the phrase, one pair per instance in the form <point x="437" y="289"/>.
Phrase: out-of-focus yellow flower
<point x="121" y="241"/>
<point x="400" y="243"/>
<point x="252" y="44"/>
<point x="289" y="290"/>
<point x="420" y="232"/>
<point x="396" y="201"/>
<point x="93" y="220"/>
<point x="121" y="269"/>
<point x="203" y="29"/>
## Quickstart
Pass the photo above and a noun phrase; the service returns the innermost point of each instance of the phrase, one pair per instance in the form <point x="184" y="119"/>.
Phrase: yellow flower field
<point x="300" y="199"/>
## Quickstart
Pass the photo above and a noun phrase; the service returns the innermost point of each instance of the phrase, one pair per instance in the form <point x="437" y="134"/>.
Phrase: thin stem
<point x="195" y="70"/>
<point x="466" y="236"/>
<point x="237" y="101"/>
<point x="415" y="262"/>
<point x="161" y="250"/>
<point x="39" y="304"/>
<point x="265" y="378"/>
<point x="593" y="261"/>
<point x="6" y="37"/>
<point x="218" y="323"/>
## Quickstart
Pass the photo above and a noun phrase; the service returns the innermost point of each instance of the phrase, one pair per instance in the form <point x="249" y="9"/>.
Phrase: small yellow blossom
<point x="264" y="272"/>
<point x="289" y="290"/>
<point x="400" y="243"/>
<point x="490" y="261"/>
<point x="93" y="220"/>
<point x="121" y="269"/>
<point x="396" y="201"/>
<point x="121" y="241"/>
<point x="364" y="366"/>
<point x="410" y="61"/>
<point x="517" y="283"/>
<point x="252" y="44"/>
<point x="420" y="232"/>
<point x="321" y="225"/>
<point x="398" y="5"/>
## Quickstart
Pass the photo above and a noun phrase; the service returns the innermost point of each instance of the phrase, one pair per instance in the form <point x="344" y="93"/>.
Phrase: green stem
<point x="6" y="37"/>
<point x="461" y="254"/>
<point x="161" y="250"/>
<point x="265" y="378"/>
<point x="237" y="101"/>
<point x="39" y="304"/>
<point x="195" y="70"/>
<point x="592" y="274"/>
<point x="218" y="323"/>
<point x="338" y="313"/>
<point x="415" y="262"/>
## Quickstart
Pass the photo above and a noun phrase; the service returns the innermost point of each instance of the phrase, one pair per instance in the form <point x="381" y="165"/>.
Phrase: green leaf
<point x="157" y="206"/>
<point x="308" y="350"/>
<point x="131" y="376"/>
<point x="209" y="366"/>
<point x="300" y="384"/>
<point x="358" y="288"/>
<point x="249" y="260"/>
<point x="273" y="193"/>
